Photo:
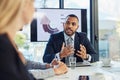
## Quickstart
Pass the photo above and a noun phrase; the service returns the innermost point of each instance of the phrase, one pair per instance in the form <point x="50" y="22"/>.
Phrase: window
<point x="80" y="4"/>
<point x="109" y="28"/>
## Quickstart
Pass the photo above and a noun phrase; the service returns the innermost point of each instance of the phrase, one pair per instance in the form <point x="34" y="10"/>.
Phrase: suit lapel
<point x="76" y="41"/>
<point x="62" y="37"/>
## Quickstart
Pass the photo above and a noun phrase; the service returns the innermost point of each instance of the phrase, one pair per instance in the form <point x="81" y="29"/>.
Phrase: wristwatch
<point x="87" y="58"/>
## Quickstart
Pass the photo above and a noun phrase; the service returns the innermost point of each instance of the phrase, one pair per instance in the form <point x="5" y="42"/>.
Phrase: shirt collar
<point x="66" y="36"/>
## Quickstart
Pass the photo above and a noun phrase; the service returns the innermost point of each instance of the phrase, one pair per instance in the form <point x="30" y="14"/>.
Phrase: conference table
<point x="95" y="72"/>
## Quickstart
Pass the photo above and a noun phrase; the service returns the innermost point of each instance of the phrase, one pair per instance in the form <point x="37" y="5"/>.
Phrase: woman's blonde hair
<point x="9" y="12"/>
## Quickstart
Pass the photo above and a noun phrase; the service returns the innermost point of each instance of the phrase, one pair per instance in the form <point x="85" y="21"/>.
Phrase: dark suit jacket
<point x="55" y="44"/>
<point x="11" y="67"/>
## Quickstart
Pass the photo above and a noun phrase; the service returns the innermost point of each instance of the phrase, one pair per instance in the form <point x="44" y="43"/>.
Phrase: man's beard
<point x="69" y="33"/>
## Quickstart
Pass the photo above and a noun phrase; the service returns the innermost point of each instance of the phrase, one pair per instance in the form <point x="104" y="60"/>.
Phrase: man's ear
<point x="77" y="26"/>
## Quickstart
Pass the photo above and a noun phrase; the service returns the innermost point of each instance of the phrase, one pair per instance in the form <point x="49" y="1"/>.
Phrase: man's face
<point x="71" y="25"/>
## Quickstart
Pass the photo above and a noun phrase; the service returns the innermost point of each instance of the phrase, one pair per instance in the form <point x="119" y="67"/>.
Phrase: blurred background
<point x="103" y="27"/>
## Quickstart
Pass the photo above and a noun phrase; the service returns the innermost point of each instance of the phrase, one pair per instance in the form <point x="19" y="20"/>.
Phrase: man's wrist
<point x="87" y="57"/>
<point x="60" y="56"/>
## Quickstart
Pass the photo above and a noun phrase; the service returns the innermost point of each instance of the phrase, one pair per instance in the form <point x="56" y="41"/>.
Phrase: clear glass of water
<point x="72" y="62"/>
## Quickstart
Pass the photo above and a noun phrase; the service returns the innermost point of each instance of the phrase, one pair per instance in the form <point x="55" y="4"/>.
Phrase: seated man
<point x="58" y="43"/>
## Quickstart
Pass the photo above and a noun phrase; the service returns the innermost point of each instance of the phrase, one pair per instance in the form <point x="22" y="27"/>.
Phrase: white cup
<point x="106" y="62"/>
<point x="72" y="62"/>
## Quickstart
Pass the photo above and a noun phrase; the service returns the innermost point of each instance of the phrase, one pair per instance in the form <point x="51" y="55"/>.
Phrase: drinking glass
<point x="72" y="62"/>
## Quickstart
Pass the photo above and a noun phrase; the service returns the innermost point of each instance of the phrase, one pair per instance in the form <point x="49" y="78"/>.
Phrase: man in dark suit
<point x="57" y="45"/>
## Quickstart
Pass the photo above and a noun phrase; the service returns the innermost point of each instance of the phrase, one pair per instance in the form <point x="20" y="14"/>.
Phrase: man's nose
<point x="70" y="25"/>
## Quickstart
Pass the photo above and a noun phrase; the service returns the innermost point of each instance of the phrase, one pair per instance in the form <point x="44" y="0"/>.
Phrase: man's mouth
<point x="69" y="30"/>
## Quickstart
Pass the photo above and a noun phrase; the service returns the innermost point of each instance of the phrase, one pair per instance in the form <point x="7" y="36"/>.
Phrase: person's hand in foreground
<point x="52" y="64"/>
<point x="61" y="68"/>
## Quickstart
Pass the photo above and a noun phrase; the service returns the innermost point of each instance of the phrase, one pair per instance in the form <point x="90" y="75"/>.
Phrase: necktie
<point x="69" y="42"/>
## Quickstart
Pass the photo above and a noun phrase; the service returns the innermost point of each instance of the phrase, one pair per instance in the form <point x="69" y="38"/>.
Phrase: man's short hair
<point x="72" y="15"/>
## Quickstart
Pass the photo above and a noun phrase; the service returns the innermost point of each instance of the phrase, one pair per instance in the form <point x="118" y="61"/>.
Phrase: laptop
<point x="82" y="64"/>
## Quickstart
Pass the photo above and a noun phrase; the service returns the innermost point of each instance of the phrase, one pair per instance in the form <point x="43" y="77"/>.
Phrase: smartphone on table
<point x="83" y="77"/>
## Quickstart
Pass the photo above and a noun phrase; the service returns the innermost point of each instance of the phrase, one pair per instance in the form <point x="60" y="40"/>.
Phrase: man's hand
<point x="52" y="64"/>
<point x="66" y="51"/>
<point x="82" y="52"/>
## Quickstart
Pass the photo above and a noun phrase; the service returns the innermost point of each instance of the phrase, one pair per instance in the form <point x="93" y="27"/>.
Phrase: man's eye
<point x="67" y="23"/>
<point x="73" y="24"/>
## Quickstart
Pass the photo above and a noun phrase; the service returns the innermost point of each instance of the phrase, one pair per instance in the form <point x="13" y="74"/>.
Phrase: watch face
<point x="83" y="77"/>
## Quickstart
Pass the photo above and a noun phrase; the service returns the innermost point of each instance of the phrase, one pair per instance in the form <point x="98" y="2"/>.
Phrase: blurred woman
<point x="13" y="15"/>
